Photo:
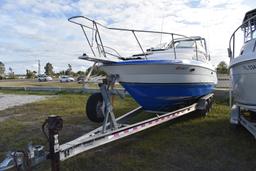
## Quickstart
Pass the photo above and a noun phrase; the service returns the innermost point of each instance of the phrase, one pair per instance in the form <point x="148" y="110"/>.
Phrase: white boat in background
<point x="243" y="66"/>
<point x="159" y="79"/>
<point x="243" y="72"/>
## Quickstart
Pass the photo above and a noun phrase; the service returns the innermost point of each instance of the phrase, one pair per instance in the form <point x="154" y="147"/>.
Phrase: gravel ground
<point x="11" y="100"/>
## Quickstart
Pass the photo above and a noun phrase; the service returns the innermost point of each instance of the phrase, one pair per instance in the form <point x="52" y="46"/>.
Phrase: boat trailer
<point x="242" y="115"/>
<point x="112" y="129"/>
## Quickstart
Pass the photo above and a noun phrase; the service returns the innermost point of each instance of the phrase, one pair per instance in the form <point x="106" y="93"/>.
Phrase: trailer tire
<point x="95" y="107"/>
<point x="252" y="116"/>
<point x="204" y="112"/>
<point x="210" y="104"/>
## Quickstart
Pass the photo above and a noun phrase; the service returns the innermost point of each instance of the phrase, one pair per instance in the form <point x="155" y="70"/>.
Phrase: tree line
<point x="222" y="68"/>
<point x="48" y="70"/>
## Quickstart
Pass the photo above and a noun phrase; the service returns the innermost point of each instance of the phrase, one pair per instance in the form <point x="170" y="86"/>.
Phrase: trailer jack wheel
<point x="95" y="108"/>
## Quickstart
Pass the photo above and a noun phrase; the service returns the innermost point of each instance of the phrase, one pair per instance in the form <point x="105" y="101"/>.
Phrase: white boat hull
<point x="163" y="85"/>
<point x="163" y="72"/>
<point x="243" y="76"/>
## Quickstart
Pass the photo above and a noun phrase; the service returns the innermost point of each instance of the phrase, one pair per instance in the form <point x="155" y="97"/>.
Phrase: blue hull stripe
<point x="161" y="61"/>
<point x="164" y="97"/>
<point x="134" y="62"/>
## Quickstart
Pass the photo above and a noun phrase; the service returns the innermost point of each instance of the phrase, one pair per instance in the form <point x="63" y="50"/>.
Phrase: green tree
<point x="222" y="68"/>
<point x="30" y="74"/>
<point x="11" y="73"/>
<point x="48" y="69"/>
<point x="2" y="70"/>
<point x="62" y="72"/>
<point x="69" y="70"/>
<point x="80" y="73"/>
<point x="95" y="71"/>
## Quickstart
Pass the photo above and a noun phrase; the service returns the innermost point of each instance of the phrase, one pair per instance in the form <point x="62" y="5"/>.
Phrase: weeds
<point x="191" y="142"/>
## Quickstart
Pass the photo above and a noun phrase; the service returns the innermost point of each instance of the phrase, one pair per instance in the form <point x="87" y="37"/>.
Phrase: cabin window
<point x="249" y="29"/>
<point x="254" y="34"/>
<point x="249" y="35"/>
<point x="185" y="44"/>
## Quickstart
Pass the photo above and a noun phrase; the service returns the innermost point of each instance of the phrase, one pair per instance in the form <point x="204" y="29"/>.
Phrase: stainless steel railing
<point x="102" y="49"/>
<point x="249" y="27"/>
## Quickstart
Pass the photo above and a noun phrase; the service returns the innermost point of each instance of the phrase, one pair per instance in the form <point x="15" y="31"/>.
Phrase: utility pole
<point x="39" y="68"/>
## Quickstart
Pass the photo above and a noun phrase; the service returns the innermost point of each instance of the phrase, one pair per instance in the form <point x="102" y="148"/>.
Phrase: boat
<point x="243" y="62"/>
<point x="162" y="78"/>
<point x="243" y="74"/>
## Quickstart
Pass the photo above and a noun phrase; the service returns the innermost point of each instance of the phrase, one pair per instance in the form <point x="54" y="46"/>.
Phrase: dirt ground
<point x="11" y="100"/>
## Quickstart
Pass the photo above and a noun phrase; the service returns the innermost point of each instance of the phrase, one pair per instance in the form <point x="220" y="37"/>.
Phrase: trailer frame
<point x="113" y="128"/>
<point x="238" y="117"/>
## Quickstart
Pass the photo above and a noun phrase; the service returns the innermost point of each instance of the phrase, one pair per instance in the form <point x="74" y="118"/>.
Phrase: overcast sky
<point x="38" y="29"/>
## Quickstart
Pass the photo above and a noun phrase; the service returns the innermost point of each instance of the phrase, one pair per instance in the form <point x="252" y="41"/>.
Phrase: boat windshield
<point x="249" y="25"/>
<point x="185" y="44"/>
<point x="248" y="35"/>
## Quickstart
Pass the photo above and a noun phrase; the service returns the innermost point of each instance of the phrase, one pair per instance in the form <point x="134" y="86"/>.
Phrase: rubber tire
<point x="94" y="102"/>
<point x="253" y="116"/>
<point x="204" y="112"/>
<point x="210" y="104"/>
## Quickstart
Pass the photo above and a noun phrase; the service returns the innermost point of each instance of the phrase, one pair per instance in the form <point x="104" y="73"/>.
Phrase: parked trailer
<point x="112" y="129"/>
<point x="242" y="115"/>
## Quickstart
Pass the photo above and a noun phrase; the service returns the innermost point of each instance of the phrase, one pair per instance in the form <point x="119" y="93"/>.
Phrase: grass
<point x="35" y="83"/>
<point x="189" y="143"/>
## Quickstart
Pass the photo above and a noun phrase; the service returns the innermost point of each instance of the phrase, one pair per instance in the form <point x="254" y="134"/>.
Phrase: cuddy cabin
<point x="169" y="76"/>
<point x="192" y="48"/>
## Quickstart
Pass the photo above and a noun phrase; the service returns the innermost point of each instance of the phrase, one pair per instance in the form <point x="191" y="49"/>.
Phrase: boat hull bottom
<point x="166" y="97"/>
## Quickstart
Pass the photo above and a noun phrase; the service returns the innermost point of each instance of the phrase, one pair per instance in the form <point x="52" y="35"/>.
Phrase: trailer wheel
<point x="252" y="116"/>
<point x="205" y="111"/>
<point x="95" y="107"/>
<point x="210" y="102"/>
